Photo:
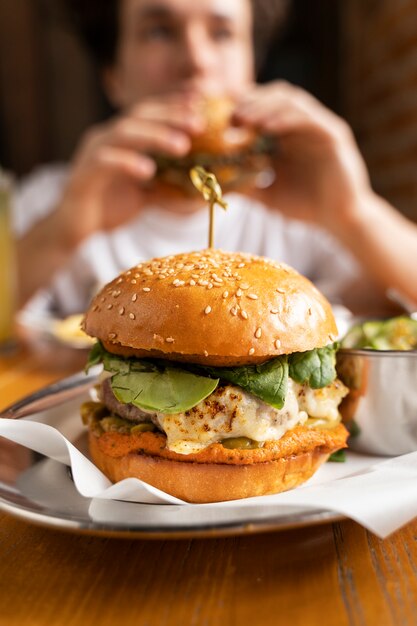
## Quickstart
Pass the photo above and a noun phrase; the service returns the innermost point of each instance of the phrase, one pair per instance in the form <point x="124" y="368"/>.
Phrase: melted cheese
<point x="232" y="412"/>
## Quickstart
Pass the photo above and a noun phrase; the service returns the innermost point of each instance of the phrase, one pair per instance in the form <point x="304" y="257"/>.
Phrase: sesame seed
<point x="132" y="316"/>
<point x="203" y="283"/>
<point x="274" y="311"/>
<point x="119" y="280"/>
<point x="133" y="281"/>
<point x="207" y="310"/>
<point x="241" y="265"/>
<point x="146" y="289"/>
<point x="205" y="353"/>
<point x="225" y="294"/>
<point x="192" y="282"/>
<point x="233" y="310"/>
<point x="176" y="281"/>
<point x="244" y="315"/>
<point x="95" y="307"/>
<point x="239" y="293"/>
<point x="102" y="299"/>
<point x="252" y="351"/>
<point x="134" y="297"/>
<point x="210" y="286"/>
<point x="280" y="290"/>
<point x="170" y="340"/>
<point x="122" y="310"/>
<point x="277" y="343"/>
<point x="258" y="333"/>
<point x="116" y="293"/>
<point x="109" y="306"/>
<point x="112" y="335"/>
<point x="252" y="296"/>
<point x="244" y="286"/>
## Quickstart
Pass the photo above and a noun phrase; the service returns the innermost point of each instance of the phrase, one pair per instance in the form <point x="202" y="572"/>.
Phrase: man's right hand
<point x="107" y="183"/>
<point x="106" y="187"/>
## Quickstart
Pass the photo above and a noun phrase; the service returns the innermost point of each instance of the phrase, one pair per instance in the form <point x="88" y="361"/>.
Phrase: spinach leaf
<point x="338" y="457"/>
<point x="168" y="390"/>
<point x="96" y="356"/>
<point x="315" y="367"/>
<point x="172" y="388"/>
<point x="152" y="385"/>
<point x="268" y="381"/>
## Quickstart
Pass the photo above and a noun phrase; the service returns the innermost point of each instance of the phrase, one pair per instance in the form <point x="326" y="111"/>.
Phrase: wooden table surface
<point x="334" y="574"/>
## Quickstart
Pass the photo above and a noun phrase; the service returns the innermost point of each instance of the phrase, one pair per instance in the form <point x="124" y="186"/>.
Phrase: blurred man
<point x="158" y="57"/>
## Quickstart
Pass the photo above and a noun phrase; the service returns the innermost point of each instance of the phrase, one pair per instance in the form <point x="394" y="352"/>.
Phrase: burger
<point x="237" y="156"/>
<point x="218" y="377"/>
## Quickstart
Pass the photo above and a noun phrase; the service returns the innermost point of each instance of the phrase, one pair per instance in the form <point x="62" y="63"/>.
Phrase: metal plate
<point x="40" y="490"/>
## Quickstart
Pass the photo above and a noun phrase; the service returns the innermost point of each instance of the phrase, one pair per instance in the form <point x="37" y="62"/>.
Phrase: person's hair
<point x="97" y="22"/>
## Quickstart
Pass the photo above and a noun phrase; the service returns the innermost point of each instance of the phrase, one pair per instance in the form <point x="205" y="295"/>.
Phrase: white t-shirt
<point x="246" y="226"/>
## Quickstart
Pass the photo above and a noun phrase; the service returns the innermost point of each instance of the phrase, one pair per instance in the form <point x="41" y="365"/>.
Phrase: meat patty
<point x="127" y="411"/>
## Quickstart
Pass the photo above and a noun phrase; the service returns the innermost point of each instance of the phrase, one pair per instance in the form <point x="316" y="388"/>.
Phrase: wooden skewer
<point x="207" y="185"/>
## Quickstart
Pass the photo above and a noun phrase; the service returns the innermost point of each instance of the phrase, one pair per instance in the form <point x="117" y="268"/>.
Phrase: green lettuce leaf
<point x="173" y="388"/>
<point x="338" y="457"/>
<point x="96" y="356"/>
<point x="315" y="367"/>
<point x="152" y="385"/>
<point x="168" y="390"/>
<point x="268" y="381"/>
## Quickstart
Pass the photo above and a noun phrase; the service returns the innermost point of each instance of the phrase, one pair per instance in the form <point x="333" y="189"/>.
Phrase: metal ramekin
<point x="382" y="400"/>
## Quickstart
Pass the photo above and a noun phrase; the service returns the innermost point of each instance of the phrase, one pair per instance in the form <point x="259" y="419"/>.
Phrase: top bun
<point x="212" y="308"/>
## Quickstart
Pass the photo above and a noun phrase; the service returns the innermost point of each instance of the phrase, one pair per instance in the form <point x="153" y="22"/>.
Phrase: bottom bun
<point x="210" y="482"/>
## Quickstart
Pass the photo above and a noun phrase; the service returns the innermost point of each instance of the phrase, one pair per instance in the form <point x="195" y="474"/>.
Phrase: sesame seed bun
<point x="212" y="308"/>
<point x="217" y="474"/>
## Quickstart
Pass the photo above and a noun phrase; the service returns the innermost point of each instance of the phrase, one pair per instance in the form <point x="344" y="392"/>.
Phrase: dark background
<point x="306" y="50"/>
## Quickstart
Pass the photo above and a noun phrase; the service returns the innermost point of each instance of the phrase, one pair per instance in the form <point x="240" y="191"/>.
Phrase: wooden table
<point x="334" y="574"/>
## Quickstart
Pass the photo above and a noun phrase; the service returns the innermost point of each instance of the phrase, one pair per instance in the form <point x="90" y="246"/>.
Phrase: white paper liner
<point x="378" y="493"/>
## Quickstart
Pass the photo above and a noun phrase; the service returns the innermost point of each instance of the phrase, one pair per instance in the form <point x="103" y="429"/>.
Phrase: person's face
<point x="203" y="46"/>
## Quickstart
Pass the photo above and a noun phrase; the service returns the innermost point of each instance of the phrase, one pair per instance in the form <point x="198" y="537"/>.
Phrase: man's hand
<point x="107" y="183"/>
<point x="320" y="174"/>
<point x="107" y="187"/>
<point x="321" y="177"/>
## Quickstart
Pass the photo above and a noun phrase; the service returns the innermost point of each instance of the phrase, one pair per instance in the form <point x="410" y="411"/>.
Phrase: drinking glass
<point x="7" y="263"/>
